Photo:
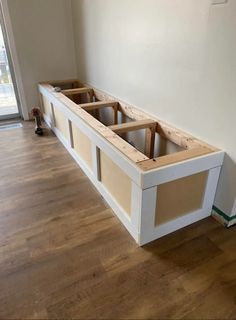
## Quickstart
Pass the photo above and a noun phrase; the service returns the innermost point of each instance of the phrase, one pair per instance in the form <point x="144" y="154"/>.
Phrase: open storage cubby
<point x="156" y="178"/>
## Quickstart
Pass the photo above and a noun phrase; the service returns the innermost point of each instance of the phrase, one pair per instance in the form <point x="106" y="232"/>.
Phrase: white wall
<point x="44" y="42"/>
<point x="173" y="58"/>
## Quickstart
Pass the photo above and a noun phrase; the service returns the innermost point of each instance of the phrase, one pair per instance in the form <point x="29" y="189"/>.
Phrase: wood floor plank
<point x="64" y="254"/>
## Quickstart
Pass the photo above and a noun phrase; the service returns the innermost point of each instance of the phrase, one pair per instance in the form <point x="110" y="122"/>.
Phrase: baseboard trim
<point x="223" y="218"/>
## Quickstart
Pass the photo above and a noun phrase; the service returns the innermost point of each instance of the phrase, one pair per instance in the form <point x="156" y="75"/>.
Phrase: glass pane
<point x="8" y="104"/>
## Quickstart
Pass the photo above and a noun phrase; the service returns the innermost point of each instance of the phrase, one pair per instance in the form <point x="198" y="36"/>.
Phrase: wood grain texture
<point x="172" y="158"/>
<point x="76" y="91"/>
<point x="97" y="105"/>
<point x="64" y="255"/>
<point x="150" y="142"/>
<point x="132" y="126"/>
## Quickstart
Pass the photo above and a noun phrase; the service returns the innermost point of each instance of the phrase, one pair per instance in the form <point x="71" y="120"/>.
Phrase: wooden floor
<point x="63" y="254"/>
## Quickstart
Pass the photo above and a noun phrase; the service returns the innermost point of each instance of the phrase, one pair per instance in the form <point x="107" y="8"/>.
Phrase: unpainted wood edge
<point x="132" y="126"/>
<point x="150" y="141"/>
<point x="97" y="105"/>
<point x="181" y="138"/>
<point x="77" y="91"/>
<point x="169" y="159"/>
<point x="115" y="114"/>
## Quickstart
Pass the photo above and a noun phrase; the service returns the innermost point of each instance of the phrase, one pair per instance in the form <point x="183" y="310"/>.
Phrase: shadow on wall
<point x="80" y="38"/>
<point x="227" y="185"/>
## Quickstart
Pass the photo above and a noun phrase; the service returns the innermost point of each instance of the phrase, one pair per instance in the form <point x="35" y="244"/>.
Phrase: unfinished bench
<point x="156" y="178"/>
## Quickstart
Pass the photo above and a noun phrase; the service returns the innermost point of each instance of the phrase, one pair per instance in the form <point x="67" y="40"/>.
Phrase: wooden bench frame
<point x="146" y="173"/>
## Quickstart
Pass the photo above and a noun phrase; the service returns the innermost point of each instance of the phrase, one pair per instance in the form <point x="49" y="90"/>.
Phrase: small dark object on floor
<point x="37" y="115"/>
<point x="39" y="131"/>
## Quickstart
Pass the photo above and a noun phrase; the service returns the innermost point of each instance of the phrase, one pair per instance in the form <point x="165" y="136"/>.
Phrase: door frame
<point x="13" y="62"/>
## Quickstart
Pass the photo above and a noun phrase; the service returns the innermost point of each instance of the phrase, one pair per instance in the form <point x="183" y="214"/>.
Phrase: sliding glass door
<point x="9" y="102"/>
